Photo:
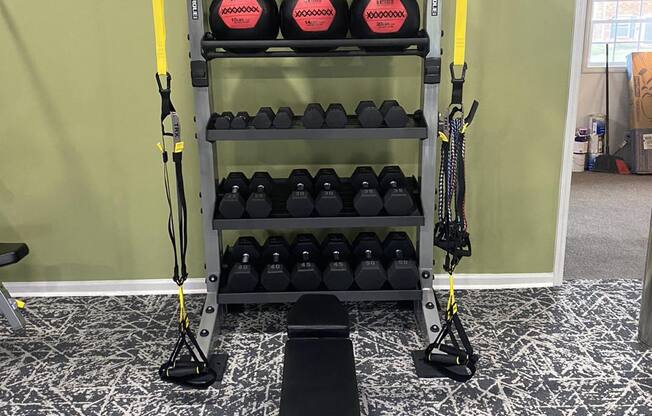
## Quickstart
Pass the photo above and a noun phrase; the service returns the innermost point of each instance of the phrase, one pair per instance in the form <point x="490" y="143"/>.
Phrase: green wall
<point x="80" y="178"/>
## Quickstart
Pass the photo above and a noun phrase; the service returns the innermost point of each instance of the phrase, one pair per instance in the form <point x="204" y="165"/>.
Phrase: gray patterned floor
<point x="570" y="350"/>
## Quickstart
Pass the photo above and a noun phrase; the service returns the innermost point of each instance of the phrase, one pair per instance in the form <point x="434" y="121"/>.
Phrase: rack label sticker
<point x="240" y="14"/>
<point x="647" y="142"/>
<point x="385" y="16"/>
<point x="434" y="8"/>
<point x="314" y="15"/>
<point x="195" y="9"/>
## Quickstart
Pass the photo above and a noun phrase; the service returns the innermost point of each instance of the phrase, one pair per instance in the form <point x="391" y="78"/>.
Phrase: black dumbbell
<point x="367" y="241"/>
<point x="275" y="276"/>
<point x="244" y="256"/>
<point x="300" y="202"/>
<point x="241" y="120"/>
<point x="223" y="121"/>
<point x="370" y="273"/>
<point x="284" y="118"/>
<point x="264" y="118"/>
<point x="306" y="275"/>
<point x="259" y="203"/>
<point x="328" y="202"/>
<point x="402" y="272"/>
<point x="393" y="114"/>
<point x="232" y="204"/>
<point x="337" y="273"/>
<point x="275" y="244"/>
<point x="367" y="200"/>
<point x="313" y="116"/>
<point x="398" y="240"/>
<point x="368" y="114"/>
<point x="336" y="116"/>
<point x="397" y="199"/>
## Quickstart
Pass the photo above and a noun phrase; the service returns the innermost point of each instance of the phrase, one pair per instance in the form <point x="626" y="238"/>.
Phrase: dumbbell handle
<point x="245" y="258"/>
<point x="276" y="258"/>
<point x="235" y="189"/>
<point x="399" y="254"/>
<point x="336" y="255"/>
<point x="260" y="189"/>
<point x="306" y="256"/>
<point x="368" y="254"/>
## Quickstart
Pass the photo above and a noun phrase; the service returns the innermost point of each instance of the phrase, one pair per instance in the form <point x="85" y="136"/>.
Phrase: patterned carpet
<point x="570" y="350"/>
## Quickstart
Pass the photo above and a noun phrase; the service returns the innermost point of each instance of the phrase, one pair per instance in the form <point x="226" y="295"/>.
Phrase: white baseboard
<point x="197" y="285"/>
<point x="129" y="287"/>
<point x="496" y="281"/>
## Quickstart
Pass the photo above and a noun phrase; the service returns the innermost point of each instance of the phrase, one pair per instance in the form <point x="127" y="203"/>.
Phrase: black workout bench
<point x="11" y="253"/>
<point x="319" y="368"/>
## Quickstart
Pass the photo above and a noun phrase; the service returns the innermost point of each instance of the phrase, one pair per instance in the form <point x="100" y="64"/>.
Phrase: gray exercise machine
<point x="11" y="253"/>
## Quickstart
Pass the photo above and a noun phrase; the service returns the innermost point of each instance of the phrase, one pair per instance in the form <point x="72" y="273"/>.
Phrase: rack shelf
<point x="415" y="129"/>
<point x="348" y="218"/>
<point x="344" y="296"/>
<point x="214" y="49"/>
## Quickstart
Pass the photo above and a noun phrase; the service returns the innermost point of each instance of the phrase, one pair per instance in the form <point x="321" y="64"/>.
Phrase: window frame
<point x="588" y="29"/>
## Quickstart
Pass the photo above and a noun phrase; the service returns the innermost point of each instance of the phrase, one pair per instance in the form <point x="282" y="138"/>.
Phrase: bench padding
<point x="319" y="378"/>
<point x="318" y="316"/>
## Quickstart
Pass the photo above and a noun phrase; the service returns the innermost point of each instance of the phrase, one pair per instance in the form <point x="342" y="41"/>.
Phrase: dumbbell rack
<point x="421" y="126"/>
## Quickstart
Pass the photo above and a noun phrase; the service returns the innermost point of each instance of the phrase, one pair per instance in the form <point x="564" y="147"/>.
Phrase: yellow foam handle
<point x="20" y="304"/>
<point x="459" y="46"/>
<point x="158" y="11"/>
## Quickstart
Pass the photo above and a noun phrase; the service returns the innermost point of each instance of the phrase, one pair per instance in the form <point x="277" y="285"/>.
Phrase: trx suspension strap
<point x="191" y="369"/>
<point x="451" y="233"/>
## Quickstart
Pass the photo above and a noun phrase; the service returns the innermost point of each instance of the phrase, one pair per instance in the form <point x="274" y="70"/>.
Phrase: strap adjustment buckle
<point x="168" y="83"/>
<point x="458" y="85"/>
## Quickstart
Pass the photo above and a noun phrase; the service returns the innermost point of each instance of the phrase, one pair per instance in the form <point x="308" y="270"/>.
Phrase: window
<point x="624" y="25"/>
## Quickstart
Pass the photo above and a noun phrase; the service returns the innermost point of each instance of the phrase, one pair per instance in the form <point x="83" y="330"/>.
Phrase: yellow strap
<point x="183" y="317"/>
<point x="451" y="296"/>
<point x="178" y="147"/>
<point x="460" y="32"/>
<point x="19" y="304"/>
<point x="443" y="137"/>
<point x="158" y="10"/>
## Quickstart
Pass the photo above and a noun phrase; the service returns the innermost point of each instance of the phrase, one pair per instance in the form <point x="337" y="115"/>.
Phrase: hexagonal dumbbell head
<point x="284" y="118"/>
<point x="393" y="114"/>
<point x="264" y="118"/>
<point x="232" y="204"/>
<point x="369" y="115"/>
<point x="336" y="116"/>
<point x="313" y="116"/>
<point x="367" y="200"/>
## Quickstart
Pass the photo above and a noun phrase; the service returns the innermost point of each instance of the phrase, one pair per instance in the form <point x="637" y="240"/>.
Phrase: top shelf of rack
<point x="213" y="49"/>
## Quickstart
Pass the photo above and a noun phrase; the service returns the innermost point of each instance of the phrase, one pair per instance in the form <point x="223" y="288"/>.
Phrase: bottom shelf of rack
<point x="344" y="296"/>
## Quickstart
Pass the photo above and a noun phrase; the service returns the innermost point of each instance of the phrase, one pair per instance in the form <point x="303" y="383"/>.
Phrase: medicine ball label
<point x="240" y="14"/>
<point x="385" y="16"/>
<point x="314" y="15"/>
